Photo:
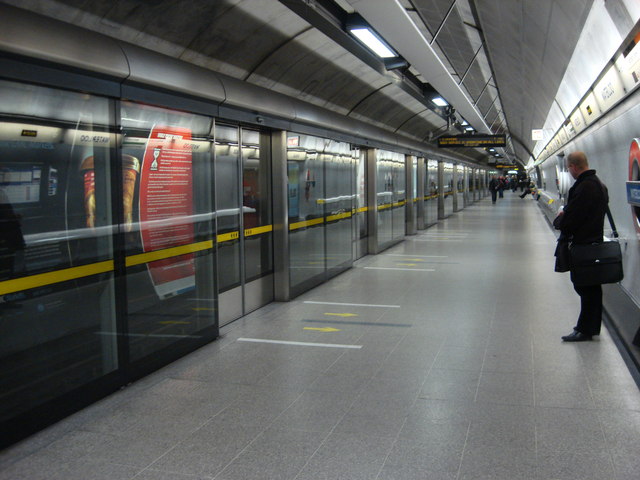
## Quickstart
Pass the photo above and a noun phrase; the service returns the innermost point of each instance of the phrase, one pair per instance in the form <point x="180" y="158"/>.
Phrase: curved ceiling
<point x="507" y="56"/>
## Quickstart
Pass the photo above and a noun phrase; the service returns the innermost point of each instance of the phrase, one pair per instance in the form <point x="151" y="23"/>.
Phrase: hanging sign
<point x="472" y="141"/>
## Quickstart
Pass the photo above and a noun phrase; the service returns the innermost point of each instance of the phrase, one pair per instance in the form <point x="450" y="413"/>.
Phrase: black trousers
<point x="590" y="318"/>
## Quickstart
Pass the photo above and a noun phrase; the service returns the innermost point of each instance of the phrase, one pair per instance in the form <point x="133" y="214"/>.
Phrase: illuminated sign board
<point x="472" y="141"/>
<point x="633" y="193"/>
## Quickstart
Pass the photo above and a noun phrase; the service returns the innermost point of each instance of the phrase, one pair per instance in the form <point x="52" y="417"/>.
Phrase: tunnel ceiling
<point x="530" y="45"/>
<point x="298" y="48"/>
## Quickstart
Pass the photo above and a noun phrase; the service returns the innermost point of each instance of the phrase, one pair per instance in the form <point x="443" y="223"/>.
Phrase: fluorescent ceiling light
<point x="373" y="42"/>
<point x="469" y="128"/>
<point x="439" y="101"/>
<point x="464" y="122"/>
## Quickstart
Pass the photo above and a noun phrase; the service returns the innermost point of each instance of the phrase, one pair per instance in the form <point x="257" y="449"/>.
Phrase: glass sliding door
<point x="431" y="192"/>
<point x="228" y="172"/>
<point x="361" y="207"/>
<point x="459" y="187"/>
<point x="228" y="203"/>
<point x="167" y="203"/>
<point x="399" y="207"/>
<point x="339" y="167"/>
<point x="322" y="199"/>
<point x="391" y="197"/>
<point x="257" y="227"/>
<point x="306" y="212"/>
<point x="448" y="189"/>
<point x="57" y="302"/>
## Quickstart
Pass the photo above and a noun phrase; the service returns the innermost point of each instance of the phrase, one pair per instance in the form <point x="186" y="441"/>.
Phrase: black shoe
<point x="577" y="336"/>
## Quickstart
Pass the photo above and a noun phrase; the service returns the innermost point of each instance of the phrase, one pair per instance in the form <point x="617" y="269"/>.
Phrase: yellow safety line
<point x="225" y="237"/>
<point x="306" y="223"/>
<point x="338" y="216"/>
<point x="58" y="276"/>
<point x="167" y="253"/>
<point x="248" y="232"/>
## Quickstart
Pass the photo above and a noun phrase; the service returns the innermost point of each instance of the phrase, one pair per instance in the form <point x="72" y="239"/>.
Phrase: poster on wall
<point x="165" y="205"/>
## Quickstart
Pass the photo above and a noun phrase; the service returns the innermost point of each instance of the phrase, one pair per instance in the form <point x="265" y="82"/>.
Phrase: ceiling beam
<point x="392" y="21"/>
<point x="330" y="19"/>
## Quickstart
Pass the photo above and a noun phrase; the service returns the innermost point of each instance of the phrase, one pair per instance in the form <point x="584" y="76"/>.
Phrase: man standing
<point x="493" y="188"/>
<point x="582" y="221"/>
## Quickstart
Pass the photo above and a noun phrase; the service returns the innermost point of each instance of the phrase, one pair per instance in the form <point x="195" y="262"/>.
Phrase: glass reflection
<point x="53" y="262"/>
<point x="170" y="285"/>
<point x="256" y="204"/>
<point x="227" y="172"/>
<point x="391" y="196"/>
<point x="322" y="199"/>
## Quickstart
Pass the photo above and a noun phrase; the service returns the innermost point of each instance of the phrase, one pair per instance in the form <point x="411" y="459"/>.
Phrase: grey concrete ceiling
<point x="529" y="43"/>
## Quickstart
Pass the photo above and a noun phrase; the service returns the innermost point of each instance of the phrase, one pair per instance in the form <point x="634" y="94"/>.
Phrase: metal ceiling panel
<point x="453" y="41"/>
<point x="530" y="45"/>
<point x="394" y="24"/>
<point x="474" y="82"/>
<point x="486" y="100"/>
<point x="432" y="12"/>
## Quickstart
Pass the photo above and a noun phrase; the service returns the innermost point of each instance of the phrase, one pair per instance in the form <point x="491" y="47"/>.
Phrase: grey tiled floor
<point x="466" y="380"/>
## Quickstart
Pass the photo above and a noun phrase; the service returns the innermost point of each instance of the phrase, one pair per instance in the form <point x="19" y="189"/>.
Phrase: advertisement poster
<point x="166" y="193"/>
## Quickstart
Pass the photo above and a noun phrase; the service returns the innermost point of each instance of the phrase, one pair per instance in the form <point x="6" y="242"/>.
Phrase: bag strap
<point x="614" y="230"/>
<point x="613" y="225"/>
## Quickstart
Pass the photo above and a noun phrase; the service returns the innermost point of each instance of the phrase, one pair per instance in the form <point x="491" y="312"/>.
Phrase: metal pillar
<point x="440" y="190"/>
<point x="279" y="183"/>
<point x="410" y="195"/>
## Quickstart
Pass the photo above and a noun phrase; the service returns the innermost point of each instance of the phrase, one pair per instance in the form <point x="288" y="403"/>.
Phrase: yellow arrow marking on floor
<point x="407" y="264"/>
<point x="323" y="329"/>
<point x="415" y="259"/>
<point x="343" y="314"/>
<point x="551" y="200"/>
<point x="174" y="322"/>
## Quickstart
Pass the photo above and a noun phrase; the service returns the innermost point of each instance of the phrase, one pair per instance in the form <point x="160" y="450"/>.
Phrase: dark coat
<point x="583" y="218"/>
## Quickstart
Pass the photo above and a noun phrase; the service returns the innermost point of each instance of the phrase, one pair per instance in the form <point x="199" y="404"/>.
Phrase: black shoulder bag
<point x="597" y="263"/>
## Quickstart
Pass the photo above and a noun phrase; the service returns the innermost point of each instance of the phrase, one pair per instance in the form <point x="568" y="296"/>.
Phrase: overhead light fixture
<point x="439" y="101"/>
<point x="464" y="122"/>
<point x="373" y="42"/>
<point x="395" y="63"/>
<point x="469" y="128"/>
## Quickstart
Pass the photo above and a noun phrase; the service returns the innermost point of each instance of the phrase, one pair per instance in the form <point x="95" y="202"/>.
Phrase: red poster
<point x="166" y="202"/>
